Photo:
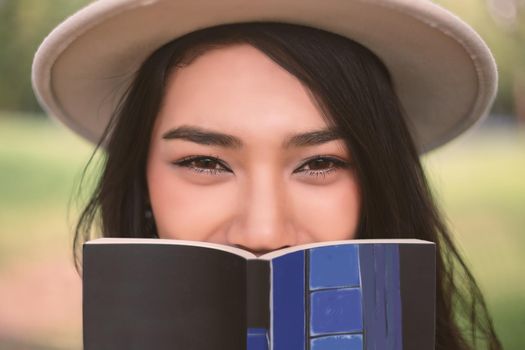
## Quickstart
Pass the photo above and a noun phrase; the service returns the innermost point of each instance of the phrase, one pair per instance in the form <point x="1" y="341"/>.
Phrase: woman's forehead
<point x="240" y="89"/>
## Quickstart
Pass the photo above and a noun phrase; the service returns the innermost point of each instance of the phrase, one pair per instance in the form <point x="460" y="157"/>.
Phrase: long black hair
<point x="354" y="91"/>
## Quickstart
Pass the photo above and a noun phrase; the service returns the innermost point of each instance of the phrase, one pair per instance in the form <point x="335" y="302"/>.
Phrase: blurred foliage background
<point x="478" y="180"/>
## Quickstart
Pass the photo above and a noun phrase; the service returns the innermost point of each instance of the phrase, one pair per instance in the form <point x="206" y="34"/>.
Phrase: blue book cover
<point x="342" y="295"/>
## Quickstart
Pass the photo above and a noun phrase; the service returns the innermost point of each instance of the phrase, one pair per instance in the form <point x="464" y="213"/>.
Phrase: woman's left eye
<point x="321" y="166"/>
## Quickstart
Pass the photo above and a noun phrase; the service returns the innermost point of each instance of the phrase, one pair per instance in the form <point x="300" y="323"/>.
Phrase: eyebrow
<point x="211" y="138"/>
<point x="312" y="138"/>
<point x="203" y="137"/>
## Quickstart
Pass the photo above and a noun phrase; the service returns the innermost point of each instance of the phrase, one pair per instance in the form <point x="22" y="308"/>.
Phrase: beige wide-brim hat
<point x="443" y="72"/>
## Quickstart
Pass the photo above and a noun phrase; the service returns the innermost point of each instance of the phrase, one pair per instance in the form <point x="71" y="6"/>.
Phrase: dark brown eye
<point x="320" y="164"/>
<point x="205" y="163"/>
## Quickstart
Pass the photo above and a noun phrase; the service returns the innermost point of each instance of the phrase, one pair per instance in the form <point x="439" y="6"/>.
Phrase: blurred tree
<point x="23" y="26"/>
<point x="501" y="23"/>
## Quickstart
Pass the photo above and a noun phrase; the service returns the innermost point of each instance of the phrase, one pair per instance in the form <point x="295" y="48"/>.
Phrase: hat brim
<point x="444" y="74"/>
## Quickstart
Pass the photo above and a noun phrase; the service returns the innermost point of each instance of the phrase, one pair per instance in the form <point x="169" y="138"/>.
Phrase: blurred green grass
<point x="478" y="180"/>
<point x="39" y="164"/>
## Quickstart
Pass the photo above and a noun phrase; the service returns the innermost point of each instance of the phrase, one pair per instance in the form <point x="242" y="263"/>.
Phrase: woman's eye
<point x="321" y="166"/>
<point x="203" y="164"/>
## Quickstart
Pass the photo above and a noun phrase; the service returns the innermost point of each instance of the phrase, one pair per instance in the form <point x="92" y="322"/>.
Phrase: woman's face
<point x="240" y="155"/>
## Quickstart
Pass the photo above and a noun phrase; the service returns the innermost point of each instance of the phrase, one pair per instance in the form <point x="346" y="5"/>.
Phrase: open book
<point x="170" y="294"/>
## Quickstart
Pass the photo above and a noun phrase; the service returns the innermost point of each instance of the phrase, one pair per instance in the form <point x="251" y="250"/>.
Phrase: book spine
<point x="258" y="304"/>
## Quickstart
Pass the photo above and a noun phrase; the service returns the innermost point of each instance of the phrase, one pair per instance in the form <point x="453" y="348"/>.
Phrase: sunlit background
<point x="479" y="180"/>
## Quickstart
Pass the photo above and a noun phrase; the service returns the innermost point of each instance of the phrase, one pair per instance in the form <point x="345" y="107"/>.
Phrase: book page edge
<point x="281" y="252"/>
<point x="246" y="254"/>
<point x="114" y="240"/>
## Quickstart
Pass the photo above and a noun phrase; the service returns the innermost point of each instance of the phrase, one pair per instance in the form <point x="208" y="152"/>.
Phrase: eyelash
<point x="187" y="163"/>
<point x="337" y="164"/>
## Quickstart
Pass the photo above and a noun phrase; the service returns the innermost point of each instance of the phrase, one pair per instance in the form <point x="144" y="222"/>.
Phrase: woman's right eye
<point x="204" y="164"/>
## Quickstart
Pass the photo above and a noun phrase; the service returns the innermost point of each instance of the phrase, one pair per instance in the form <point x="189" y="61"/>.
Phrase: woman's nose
<point x="264" y="221"/>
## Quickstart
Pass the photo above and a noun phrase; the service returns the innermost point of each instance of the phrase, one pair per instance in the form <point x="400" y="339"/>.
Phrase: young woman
<point x="269" y="125"/>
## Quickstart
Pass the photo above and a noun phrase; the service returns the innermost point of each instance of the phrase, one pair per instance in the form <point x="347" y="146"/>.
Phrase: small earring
<point x="149" y="224"/>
